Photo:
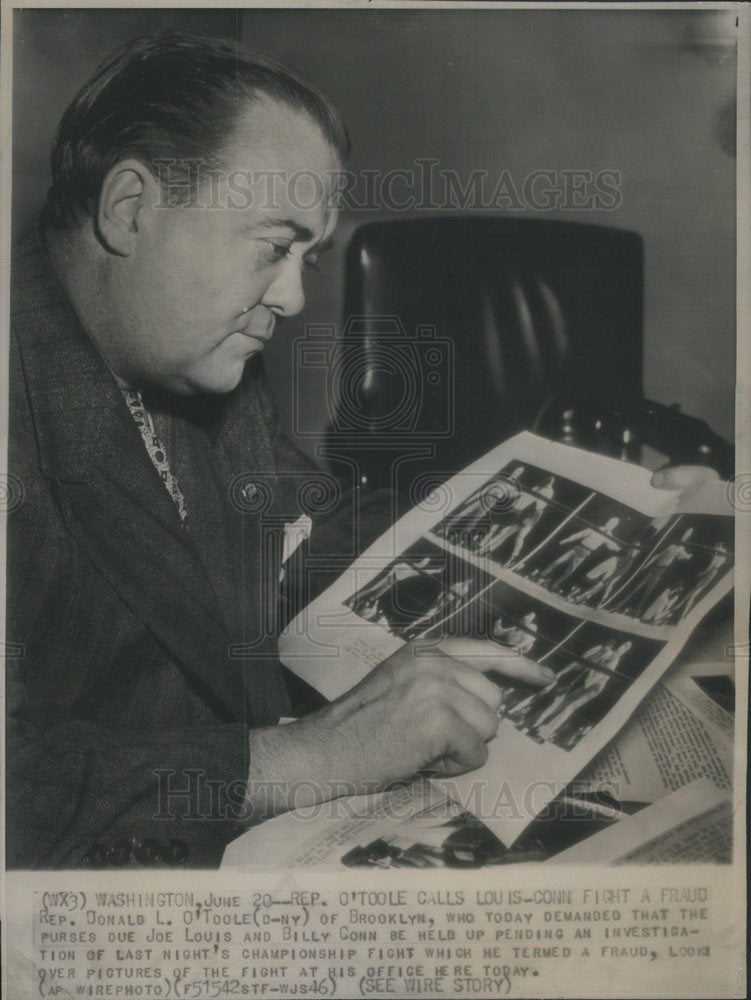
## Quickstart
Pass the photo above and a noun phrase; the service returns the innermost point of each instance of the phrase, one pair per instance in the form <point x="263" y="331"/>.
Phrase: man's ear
<point x="126" y="193"/>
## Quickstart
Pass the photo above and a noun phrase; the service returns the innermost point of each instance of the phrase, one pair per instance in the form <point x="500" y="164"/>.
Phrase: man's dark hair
<point x="162" y="98"/>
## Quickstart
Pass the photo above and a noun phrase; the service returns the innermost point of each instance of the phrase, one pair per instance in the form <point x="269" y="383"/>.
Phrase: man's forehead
<point x="282" y="162"/>
<point x="271" y="134"/>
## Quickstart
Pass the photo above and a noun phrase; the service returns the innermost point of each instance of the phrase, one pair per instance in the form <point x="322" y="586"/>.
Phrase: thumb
<point x="465" y="752"/>
<point x="683" y="477"/>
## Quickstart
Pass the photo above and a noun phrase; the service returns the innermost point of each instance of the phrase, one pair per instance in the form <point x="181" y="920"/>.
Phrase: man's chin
<point x="214" y="382"/>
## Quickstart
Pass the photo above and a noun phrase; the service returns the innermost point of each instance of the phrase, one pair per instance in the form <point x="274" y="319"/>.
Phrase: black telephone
<point x="620" y="428"/>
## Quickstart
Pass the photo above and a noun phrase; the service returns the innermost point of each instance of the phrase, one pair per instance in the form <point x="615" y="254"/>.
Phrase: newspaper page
<point x="678" y="829"/>
<point x="682" y="732"/>
<point x="548" y="552"/>
<point x="418" y="827"/>
<point x="680" y="738"/>
<point x="618" y="869"/>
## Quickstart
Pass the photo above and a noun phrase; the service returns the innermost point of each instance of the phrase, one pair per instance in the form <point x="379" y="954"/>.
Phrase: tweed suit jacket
<point x="139" y="653"/>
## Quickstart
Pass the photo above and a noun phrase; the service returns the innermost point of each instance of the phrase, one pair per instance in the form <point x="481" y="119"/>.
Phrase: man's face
<point x="204" y="286"/>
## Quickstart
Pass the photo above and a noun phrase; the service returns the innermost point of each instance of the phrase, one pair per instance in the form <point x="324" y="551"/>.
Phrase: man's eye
<point x="276" y="251"/>
<point x="312" y="263"/>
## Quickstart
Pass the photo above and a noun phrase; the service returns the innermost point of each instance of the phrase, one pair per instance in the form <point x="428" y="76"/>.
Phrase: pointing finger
<point x="484" y="655"/>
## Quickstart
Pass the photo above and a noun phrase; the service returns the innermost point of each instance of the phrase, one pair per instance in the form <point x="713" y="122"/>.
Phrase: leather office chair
<point x="460" y="331"/>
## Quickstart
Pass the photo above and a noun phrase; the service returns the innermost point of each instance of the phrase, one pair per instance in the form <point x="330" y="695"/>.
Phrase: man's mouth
<point x="261" y="336"/>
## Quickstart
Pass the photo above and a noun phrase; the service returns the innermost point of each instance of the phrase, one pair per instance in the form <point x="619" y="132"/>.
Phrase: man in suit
<point x="191" y="188"/>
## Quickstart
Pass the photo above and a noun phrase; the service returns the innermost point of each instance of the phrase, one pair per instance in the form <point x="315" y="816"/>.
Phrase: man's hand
<point x="689" y="478"/>
<point x="428" y="705"/>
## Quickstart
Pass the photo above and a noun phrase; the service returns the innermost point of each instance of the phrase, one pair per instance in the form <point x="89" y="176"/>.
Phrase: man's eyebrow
<point x="302" y="233"/>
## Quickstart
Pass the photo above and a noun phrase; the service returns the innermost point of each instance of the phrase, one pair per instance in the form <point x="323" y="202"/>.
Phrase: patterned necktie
<point x="156" y="450"/>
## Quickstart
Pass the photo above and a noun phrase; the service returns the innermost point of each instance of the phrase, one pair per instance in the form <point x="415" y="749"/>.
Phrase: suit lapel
<point x="110" y="495"/>
<point x="242" y="453"/>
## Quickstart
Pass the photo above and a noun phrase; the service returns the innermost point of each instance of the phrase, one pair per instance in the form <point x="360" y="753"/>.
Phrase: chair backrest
<point x="459" y="329"/>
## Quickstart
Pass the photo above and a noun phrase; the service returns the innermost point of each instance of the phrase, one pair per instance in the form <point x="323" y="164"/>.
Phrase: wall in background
<point x="54" y="53"/>
<point x="643" y="93"/>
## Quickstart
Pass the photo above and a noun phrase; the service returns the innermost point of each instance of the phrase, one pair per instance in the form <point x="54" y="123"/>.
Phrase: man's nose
<point x="285" y="295"/>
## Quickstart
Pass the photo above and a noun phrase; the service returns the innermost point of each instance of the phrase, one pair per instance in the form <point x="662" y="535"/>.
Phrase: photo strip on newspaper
<point x="600" y="849"/>
<point x="505" y="877"/>
<point x="550" y="553"/>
